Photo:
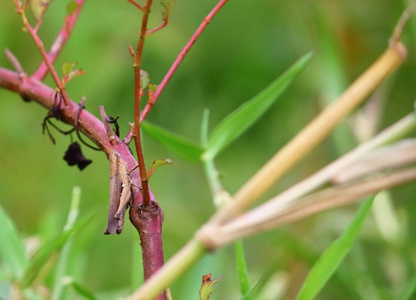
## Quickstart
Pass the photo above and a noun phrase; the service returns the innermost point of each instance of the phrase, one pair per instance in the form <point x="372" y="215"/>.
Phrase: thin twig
<point x="181" y="56"/>
<point x="285" y="199"/>
<point x="60" y="41"/>
<point x="137" y="100"/>
<point x="15" y="62"/>
<point x="136" y="4"/>
<point x="319" y="202"/>
<point x="45" y="57"/>
<point x="164" y="24"/>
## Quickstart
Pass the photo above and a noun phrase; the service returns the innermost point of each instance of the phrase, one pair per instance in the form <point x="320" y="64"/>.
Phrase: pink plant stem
<point x="60" y="41"/>
<point x="39" y="44"/>
<point x="136" y="4"/>
<point x="165" y="22"/>
<point x="181" y="56"/>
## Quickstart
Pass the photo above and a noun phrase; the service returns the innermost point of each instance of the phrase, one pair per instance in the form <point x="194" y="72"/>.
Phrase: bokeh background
<point x="247" y="45"/>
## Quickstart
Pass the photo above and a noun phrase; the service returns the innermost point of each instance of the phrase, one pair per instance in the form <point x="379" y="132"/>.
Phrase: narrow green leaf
<point x="185" y="148"/>
<point x="236" y="123"/>
<point x="253" y="289"/>
<point x="63" y="262"/>
<point x="333" y="256"/>
<point x="204" y="127"/>
<point x="242" y="269"/>
<point x="48" y="249"/>
<point x="12" y="249"/>
<point x="207" y="286"/>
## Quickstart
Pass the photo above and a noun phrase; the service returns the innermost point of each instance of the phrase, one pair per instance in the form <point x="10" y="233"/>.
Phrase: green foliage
<point x="156" y="164"/>
<point x="69" y="71"/>
<point x="232" y="59"/>
<point x="11" y="246"/>
<point x="29" y="273"/>
<point x="242" y="269"/>
<point x="207" y="287"/>
<point x="39" y="7"/>
<point x="247" y="114"/>
<point x="334" y="255"/>
<point x="233" y="126"/>
<point x="168" y="6"/>
<point x="187" y="149"/>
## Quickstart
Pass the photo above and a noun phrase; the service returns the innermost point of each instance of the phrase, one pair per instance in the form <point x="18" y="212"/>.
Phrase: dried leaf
<point x="73" y="156"/>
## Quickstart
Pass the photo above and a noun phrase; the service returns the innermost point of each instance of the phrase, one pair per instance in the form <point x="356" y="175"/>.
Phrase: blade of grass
<point x="62" y="265"/>
<point x="242" y="269"/>
<point x="47" y="251"/>
<point x="253" y="289"/>
<point x="12" y="249"/>
<point x="333" y="256"/>
<point x="180" y="145"/>
<point x="236" y="123"/>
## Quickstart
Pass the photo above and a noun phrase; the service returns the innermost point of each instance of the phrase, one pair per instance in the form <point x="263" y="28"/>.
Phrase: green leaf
<point x="12" y="249"/>
<point x="204" y="127"/>
<point x="242" y="269"/>
<point x="168" y="6"/>
<point x="333" y="256"/>
<point x="39" y="7"/>
<point x="207" y="286"/>
<point x="68" y="67"/>
<point x="144" y="79"/>
<point x="152" y="87"/>
<point x="63" y="261"/>
<point x="183" y="147"/>
<point x="71" y="7"/>
<point x="47" y="251"/>
<point x="156" y="164"/>
<point x="72" y="74"/>
<point x="253" y="289"/>
<point x="69" y="71"/>
<point x="236" y="123"/>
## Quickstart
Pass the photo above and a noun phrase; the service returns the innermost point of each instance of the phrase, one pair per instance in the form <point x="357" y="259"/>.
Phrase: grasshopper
<point x="120" y="193"/>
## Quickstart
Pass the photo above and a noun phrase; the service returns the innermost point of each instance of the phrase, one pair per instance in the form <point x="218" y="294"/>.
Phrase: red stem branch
<point x="136" y="4"/>
<point x="164" y="24"/>
<point x="181" y="56"/>
<point x="60" y="41"/>
<point x="137" y="100"/>
<point x="39" y="44"/>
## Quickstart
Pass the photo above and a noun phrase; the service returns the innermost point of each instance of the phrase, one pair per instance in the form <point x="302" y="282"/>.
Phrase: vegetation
<point x="256" y="77"/>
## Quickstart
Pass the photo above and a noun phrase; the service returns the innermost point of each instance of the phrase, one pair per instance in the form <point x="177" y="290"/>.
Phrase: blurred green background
<point x="247" y="45"/>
